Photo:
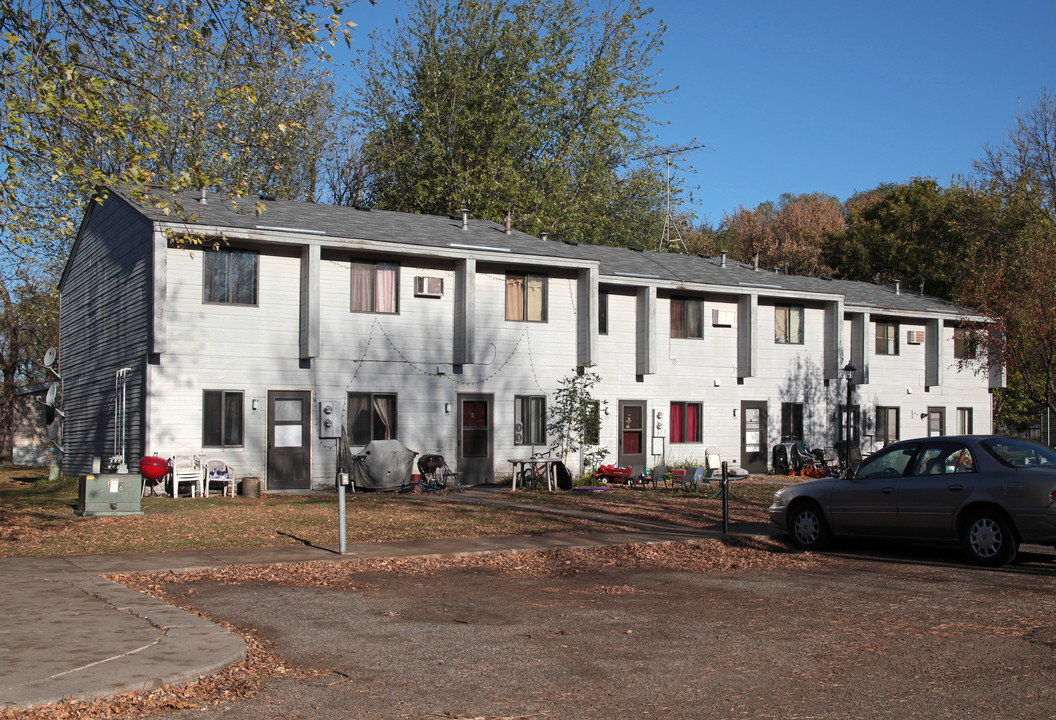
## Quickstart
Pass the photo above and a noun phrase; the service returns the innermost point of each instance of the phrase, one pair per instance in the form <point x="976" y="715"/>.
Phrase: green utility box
<point x="110" y="494"/>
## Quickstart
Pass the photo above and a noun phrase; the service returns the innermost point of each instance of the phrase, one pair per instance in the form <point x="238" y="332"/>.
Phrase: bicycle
<point x="537" y="474"/>
<point x="435" y="475"/>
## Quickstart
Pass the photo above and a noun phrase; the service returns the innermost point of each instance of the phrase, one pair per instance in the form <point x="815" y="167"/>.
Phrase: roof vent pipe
<point x="509" y="222"/>
<point x="544" y="235"/>
<point x="722" y="258"/>
<point x="465" y="218"/>
<point x="755" y="261"/>
<point x="898" y="287"/>
<point x="202" y="200"/>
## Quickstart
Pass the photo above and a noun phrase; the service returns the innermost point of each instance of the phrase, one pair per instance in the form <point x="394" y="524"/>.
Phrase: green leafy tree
<point x="101" y="92"/>
<point x="534" y="106"/>
<point x="917" y="233"/>
<point x="574" y="420"/>
<point x="158" y="97"/>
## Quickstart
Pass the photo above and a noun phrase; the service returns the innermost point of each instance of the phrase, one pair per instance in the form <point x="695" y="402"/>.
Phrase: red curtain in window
<point x="677" y="423"/>
<point x="692" y="422"/>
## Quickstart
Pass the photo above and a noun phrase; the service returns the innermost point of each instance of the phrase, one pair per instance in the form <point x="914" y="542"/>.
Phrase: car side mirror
<point x="850" y="473"/>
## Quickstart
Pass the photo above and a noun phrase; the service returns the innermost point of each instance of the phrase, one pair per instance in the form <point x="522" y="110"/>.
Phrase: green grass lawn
<point x="37" y="517"/>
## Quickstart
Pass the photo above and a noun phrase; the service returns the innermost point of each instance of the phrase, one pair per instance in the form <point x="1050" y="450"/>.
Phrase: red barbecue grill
<point x="153" y="469"/>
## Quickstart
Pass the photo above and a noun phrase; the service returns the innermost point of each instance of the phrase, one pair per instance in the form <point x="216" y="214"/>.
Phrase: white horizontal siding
<point x="253" y="349"/>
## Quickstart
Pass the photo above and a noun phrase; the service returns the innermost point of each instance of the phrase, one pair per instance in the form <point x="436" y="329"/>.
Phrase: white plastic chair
<point x="217" y="471"/>
<point x="188" y="468"/>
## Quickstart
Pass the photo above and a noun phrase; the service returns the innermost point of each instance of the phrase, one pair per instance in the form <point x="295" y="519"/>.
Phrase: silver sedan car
<point x="988" y="493"/>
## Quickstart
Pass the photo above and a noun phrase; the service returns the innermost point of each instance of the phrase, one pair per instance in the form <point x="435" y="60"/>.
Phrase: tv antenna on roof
<point x="669" y="220"/>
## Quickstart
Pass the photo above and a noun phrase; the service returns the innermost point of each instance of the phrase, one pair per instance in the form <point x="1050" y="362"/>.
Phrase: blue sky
<point x="835" y="97"/>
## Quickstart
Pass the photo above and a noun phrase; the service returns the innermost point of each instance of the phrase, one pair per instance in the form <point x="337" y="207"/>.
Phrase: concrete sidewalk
<point x="69" y="633"/>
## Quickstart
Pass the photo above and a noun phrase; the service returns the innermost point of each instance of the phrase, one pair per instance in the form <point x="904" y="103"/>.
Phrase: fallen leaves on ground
<point x="244" y="679"/>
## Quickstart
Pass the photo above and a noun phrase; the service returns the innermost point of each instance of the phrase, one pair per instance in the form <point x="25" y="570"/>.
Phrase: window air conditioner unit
<point x="914" y="337"/>
<point x="722" y="318"/>
<point x="428" y="286"/>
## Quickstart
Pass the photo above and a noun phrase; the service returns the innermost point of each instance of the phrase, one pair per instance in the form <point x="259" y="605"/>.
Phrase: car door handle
<point x="887" y="490"/>
<point x="955" y="488"/>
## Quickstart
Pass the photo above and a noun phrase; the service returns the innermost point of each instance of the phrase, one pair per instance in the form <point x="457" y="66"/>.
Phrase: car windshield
<point x="887" y="463"/>
<point x="1019" y="453"/>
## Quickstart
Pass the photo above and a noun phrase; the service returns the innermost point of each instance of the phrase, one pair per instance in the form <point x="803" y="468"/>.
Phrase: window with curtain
<point x="222" y="418"/>
<point x="886" y="338"/>
<point x="791" y="422"/>
<point x="529" y="418"/>
<point x="788" y="324"/>
<point x="886" y="424"/>
<point x="965" y="426"/>
<point x="526" y="298"/>
<point x="229" y="276"/>
<point x="964" y="345"/>
<point x="371" y="416"/>
<point x="687" y="318"/>
<point x="684" y="422"/>
<point x="375" y="287"/>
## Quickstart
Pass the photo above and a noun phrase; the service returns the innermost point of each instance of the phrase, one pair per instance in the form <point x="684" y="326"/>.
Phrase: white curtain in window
<point x="514" y="297"/>
<point x="359" y="419"/>
<point x="781" y="324"/>
<point x="537" y="411"/>
<point x="386" y="287"/>
<point x="384" y="411"/>
<point x="362" y="287"/>
<point x="795" y="325"/>
<point x="536" y="300"/>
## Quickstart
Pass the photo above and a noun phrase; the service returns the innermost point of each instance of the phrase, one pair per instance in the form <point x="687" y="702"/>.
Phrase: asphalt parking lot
<point x="874" y="631"/>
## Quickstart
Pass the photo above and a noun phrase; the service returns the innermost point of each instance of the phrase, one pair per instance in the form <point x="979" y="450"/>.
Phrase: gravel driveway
<point x="872" y="632"/>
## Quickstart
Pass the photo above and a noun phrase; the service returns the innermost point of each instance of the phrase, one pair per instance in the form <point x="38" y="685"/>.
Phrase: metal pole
<point x="847" y="445"/>
<point x="725" y="498"/>
<point x="341" y="480"/>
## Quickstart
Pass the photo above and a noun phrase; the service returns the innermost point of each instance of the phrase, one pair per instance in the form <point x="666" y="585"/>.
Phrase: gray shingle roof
<point x="340" y="222"/>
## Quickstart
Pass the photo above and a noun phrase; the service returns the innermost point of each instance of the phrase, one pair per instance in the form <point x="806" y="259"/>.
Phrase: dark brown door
<point x="632" y="433"/>
<point x="475" y="460"/>
<point x="753" y="436"/>
<point x="289" y="440"/>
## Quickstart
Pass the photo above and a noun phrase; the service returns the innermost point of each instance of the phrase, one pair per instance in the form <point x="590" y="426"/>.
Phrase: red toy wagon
<point x="614" y="473"/>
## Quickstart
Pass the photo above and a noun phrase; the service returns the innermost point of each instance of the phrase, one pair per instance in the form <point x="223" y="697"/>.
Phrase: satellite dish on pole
<point x="53" y="430"/>
<point x="53" y="393"/>
<point x="49" y="361"/>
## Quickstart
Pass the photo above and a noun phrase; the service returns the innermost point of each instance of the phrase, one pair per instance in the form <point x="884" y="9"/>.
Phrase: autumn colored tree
<point x="1013" y="278"/>
<point x="789" y="234"/>
<point x="531" y="105"/>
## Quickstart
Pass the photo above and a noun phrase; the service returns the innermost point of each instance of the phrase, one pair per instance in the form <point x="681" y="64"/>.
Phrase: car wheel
<point x="989" y="539"/>
<point x="808" y="527"/>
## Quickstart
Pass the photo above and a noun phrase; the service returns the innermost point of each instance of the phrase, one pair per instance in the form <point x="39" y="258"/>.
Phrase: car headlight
<point x="779" y="499"/>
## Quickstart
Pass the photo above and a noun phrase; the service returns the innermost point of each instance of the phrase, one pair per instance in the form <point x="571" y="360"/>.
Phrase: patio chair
<point x="696" y="477"/>
<point x="452" y="479"/>
<point x="714" y="461"/>
<point x="660" y="475"/>
<point x="678" y="475"/>
<point x="217" y="472"/>
<point x="188" y="468"/>
<point x="638" y="476"/>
